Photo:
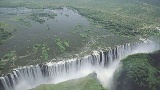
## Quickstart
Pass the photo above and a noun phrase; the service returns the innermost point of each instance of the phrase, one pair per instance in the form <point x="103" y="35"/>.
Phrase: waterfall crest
<point x="103" y="63"/>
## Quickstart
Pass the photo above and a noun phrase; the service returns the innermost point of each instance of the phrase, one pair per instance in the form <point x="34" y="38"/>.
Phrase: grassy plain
<point x="124" y="17"/>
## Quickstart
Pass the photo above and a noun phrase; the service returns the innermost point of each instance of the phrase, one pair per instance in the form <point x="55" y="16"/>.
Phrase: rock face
<point x="139" y="72"/>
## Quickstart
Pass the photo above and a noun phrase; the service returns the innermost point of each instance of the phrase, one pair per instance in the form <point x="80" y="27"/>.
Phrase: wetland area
<point x="79" y="44"/>
<point x="42" y="35"/>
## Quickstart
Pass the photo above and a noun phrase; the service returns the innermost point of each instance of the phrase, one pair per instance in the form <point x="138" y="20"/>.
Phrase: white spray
<point x="104" y="63"/>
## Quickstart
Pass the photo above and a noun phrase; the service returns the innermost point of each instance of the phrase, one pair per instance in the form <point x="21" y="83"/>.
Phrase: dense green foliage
<point x="3" y="33"/>
<point x="9" y="59"/>
<point x="62" y="45"/>
<point x="59" y="44"/>
<point x="36" y="47"/>
<point x="44" y="49"/>
<point x="86" y="83"/>
<point x="139" y="72"/>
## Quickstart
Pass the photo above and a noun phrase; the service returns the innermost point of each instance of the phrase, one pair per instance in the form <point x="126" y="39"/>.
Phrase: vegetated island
<point x="4" y="34"/>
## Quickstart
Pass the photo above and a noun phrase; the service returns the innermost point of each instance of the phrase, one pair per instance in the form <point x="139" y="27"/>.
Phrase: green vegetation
<point x="131" y="17"/>
<point x="84" y="35"/>
<point x="39" y="17"/>
<point x="77" y="29"/>
<point x="44" y="49"/>
<point x="86" y="83"/>
<point x="139" y="72"/>
<point x="4" y="34"/>
<point x="22" y="21"/>
<point x="35" y="47"/>
<point x="60" y="43"/>
<point x="9" y="59"/>
<point x="116" y="24"/>
<point x="66" y="43"/>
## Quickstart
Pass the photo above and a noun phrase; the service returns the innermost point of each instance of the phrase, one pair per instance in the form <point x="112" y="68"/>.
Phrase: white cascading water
<point x="104" y="63"/>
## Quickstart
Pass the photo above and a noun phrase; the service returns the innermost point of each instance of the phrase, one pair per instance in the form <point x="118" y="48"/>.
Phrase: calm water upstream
<point x="67" y="25"/>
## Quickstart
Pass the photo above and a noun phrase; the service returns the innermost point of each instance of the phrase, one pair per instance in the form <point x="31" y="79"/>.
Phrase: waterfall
<point x="102" y="62"/>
